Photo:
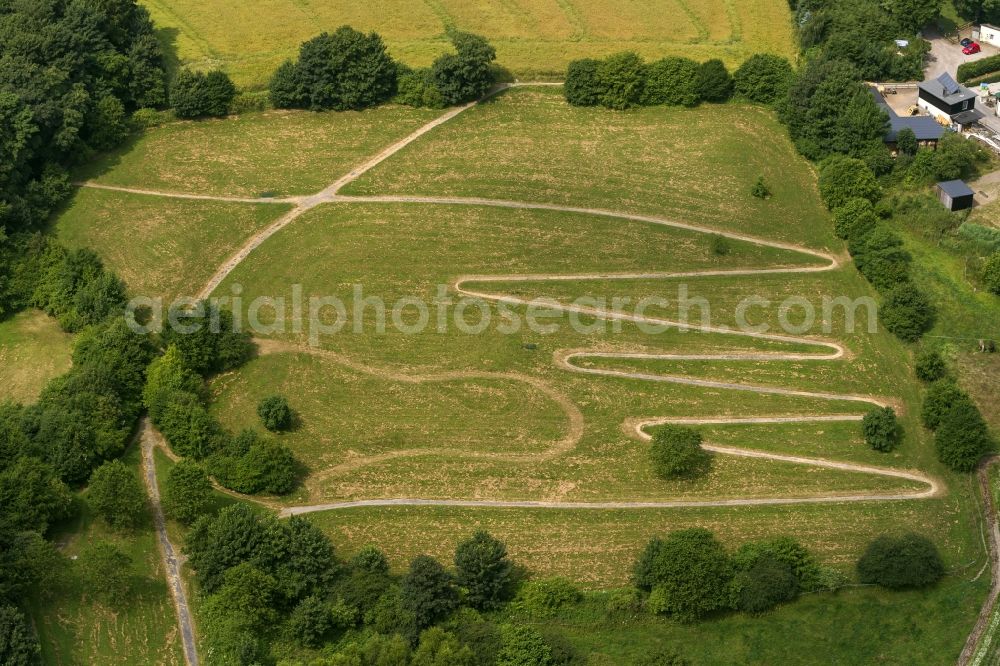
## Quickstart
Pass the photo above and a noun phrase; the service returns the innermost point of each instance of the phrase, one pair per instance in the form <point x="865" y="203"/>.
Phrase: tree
<point x="854" y="219"/>
<point x="690" y="572"/>
<point x="167" y="377"/>
<point x="907" y="313"/>
<point x="713" y="81"/>
<point x="483" y="570"/>
<point x="197" y="94"/>
<point x="116" y="495"/>
<point x="18" y="643"/>
<point x="275" y="413"/>
<point x="844" y="178"/>
<point x="938" y="401"/>
<point x="620" y="77"/>
<point x="467" y="74"/>
<point x="216" y="543"/>
<point x="371" y="560"/>
<point x="763" y="78"/>
<point x="309" y="621"/>
<point x="676" y="452"/>
<point x="930" y="365"/>
<point x="268" y="467"/>
<point x="962" y="438"/>
<point x="249" y="594"/>
<point x="342" y="71"/>
<point x="906" y="141"/>
<point x="31" y="495"/>
<point x="207" y="338"/>
<point x="108" y="573"/>
<point x="991" y="273"/>
<point x="428" y="591"/>
<point x="908" y="561"/>
<point x="912" y="15"/>
<point x="880" y="257"/>
<point x="881" y="429"/>
<point x="521" y="645"/>
<point x="187" y="492"/>
<point x="438" y="647"/>
<point x="672" y="81"/>
<point x="583" y="87"/>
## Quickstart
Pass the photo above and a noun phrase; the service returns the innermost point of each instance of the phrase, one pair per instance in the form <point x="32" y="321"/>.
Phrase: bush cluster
<point x="689" y="574"/>
<point x="623" y="80"/>
<point x="348" y="70"/>
<point x="200" y="94"/>
<point x="961" y="436"/>
<point x="907" y="561"/>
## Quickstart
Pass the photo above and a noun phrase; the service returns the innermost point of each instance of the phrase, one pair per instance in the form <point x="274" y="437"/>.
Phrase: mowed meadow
<point x="532" y="37"/>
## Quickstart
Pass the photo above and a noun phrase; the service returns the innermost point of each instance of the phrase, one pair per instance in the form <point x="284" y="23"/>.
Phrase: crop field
<point x="33" y="350"/>
<point x="532" y="37"/>
<point x="75" y="628"/>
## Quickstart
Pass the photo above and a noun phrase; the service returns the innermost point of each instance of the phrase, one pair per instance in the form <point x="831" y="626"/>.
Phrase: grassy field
<point x="696" y="165"/>
<point x="75" y="628"/>
<point x="276" y="153"/>
<point x="33" y="350"/>
<point x="158" y="246"/>
<point x="532" y="37"/>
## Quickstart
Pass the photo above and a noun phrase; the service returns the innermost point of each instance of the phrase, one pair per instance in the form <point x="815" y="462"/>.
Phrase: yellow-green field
<point x="532" y="37"/>
<point x="33" y="350"/>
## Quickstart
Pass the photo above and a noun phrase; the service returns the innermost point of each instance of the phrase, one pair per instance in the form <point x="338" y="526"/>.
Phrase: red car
<point x="972" y="48"/>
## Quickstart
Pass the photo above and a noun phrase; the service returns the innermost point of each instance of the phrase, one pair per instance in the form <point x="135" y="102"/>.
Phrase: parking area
<point x="946" y="55"/>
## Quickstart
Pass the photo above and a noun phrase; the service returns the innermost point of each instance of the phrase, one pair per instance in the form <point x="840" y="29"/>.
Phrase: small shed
<point x="955" y="195"/>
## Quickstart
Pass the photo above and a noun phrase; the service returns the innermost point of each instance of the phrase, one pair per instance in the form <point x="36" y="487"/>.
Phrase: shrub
<point x="18" y="643"/>
<point x="760" y="190"/>
<point x="196" y="94"/>
<point x="671" y="81"/>
<point x="582" y="87"/>
<point x="309" y="621"/>
<point x="763" y="78"/>
<point x="930" y="365"/>
<point x="107" y="571"/>
<point x="763" y="585"/>
<point x="713" y="82"/>
<point x="880" y="257"/>
<point x="415" y="88"/>
<point x="855" y="219"/>
<point x="275" y="413"/>
<point x="720" y="245"/>
<point x="906" y="141"/>
<point x="907" y="313"/>
<point x="689" y="571"/>
<point x="881" y="429"/>
<point x="977" y="68"/>
<point x="676" y="452"/>
<point x="844" y="178"/>
<point x="991" y="273"/>
<point x="908" y="561"/>
<point x="962" y="438"/>
<point x="541" y="598"/>
<point x="809" y="575"/>
<point x="438" y="646"/>
<point x="285" y="89"/>
<point x="621" y="80"/>
<point x="521" y="645"/>
<point x="467" y="74"/>
<point x="268" y="467"/>
<point x="483" y="570"/>
<point x="939" y="399"/>
<point x="247" y="102"/>
<point x="116" y="494"/>
<point x="187" y="492"/>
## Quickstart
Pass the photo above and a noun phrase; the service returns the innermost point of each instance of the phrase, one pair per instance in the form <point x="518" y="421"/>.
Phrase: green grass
<point x="33" y="350"/>
<point x="532" y="37"/>
<point x="74" y="628"/>
<point x="276" y="153"/>
<point x="694" y="165"/>
<point x="160" y="247"/>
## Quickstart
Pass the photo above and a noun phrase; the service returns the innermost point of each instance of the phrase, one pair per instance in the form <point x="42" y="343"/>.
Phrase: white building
<point x="989" y="34"/>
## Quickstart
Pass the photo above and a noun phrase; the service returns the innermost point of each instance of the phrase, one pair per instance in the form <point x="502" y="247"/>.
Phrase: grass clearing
<point x="159" y="246"/>
<point x="33" y="350"/>
<point x="74" y="628"/>
<point x="693" y="165"/>
<point x="532" y="37"/>
<point x="276" y="153"/>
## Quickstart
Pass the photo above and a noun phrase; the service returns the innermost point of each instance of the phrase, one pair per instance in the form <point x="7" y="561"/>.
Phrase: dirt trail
<point x="977" y="646"/>
<point x="148" y="439"/>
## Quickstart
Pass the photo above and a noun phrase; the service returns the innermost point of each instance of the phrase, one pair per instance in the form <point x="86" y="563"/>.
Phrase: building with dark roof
<point x="955" y="195"/>
<point x="944" y="97"/>
<point x="926" y="128"/>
